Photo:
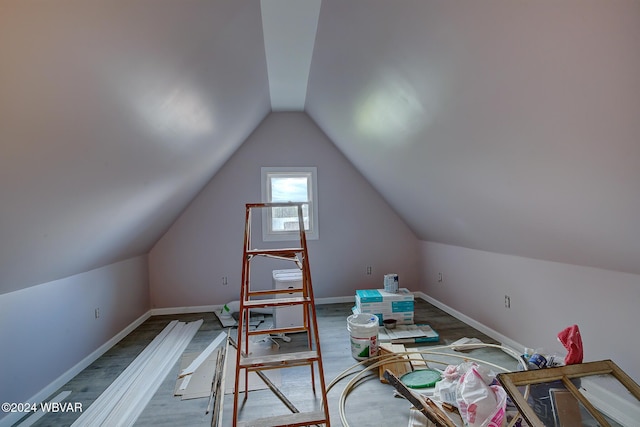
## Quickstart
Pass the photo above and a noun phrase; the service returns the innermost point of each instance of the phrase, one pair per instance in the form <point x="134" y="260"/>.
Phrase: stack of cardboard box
<point x="386" y="305"/>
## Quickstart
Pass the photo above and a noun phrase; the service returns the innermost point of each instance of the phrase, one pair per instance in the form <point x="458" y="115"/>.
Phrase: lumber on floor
<point x="125" y="399"/>
<point x="399" y="366"/>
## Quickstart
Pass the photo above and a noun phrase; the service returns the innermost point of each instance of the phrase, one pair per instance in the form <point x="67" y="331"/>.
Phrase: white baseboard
<point x="42" y="395"/>
<point x="504" y="340"/>
<point x="335" y="300"/>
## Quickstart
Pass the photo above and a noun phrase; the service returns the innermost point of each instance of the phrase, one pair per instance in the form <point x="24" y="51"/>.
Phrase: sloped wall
<point x="47" y="330"/>
<point x="546" y="297"/>
<point x="357" y="227"/>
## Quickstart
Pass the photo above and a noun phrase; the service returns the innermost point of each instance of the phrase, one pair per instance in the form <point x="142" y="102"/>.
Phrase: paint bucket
<point x="391" y="283"/>
<point x="363" y="328"/>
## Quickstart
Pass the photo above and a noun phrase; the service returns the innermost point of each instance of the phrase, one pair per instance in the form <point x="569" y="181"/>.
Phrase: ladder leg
<point x="243" y="321"/>
<point x="246" y="346"/>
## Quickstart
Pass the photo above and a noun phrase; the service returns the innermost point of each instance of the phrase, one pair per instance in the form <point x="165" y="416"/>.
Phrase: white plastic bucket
<point x="363" y="328"/>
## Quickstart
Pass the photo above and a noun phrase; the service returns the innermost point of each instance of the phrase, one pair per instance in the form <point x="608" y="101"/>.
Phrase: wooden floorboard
<point x="371" y="404"/>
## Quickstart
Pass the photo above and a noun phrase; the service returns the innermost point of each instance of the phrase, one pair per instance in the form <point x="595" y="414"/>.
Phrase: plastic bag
<point x="499" y="413"/>
<point x="480" y="405"/>
<point x="447" y="388"/>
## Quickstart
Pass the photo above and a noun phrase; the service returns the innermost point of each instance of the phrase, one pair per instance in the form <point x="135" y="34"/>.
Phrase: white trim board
<point x="56" y="384"/>
<point x="127" y="396"/>
<point x="504" y="340"/>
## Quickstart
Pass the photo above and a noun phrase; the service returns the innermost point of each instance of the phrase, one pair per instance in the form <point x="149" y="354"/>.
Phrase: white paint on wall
<point x="46" y="329"/>
<point x="505" y="126"/>
<point x="546" y="297"/>
<point x="359" y="228"/>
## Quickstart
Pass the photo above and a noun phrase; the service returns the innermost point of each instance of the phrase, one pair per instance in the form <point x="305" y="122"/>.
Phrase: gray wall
<point x="357" y="227"/>
<point x="546" y="297"/>
<point x="48" y="329"/>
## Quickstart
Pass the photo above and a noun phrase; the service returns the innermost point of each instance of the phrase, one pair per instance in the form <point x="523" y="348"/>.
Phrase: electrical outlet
<point x="369" y="270"/>
<point x="97" y="313"/>
<point x="440" y="278"/>
<point x="507" y="301"/>
<point x="224" y="281"/>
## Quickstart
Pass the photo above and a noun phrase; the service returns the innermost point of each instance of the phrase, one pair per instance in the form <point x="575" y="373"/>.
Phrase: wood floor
<point x="370" y="404"/>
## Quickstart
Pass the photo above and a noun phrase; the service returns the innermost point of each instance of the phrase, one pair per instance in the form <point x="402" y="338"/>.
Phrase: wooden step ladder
<point x="254" y="299"/>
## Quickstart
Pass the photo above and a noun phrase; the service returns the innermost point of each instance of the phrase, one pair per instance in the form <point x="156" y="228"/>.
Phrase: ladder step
<point x="279" y="360"/>
<point x="267" y="292"/>
<point x="297" y="419"/>
<point x="275" y="331"/>
<point x="276" y="302"/>
<point x="281" y="252"/>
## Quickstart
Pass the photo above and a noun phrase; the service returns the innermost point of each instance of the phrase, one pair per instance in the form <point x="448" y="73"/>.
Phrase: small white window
<point x="289" y="185"/>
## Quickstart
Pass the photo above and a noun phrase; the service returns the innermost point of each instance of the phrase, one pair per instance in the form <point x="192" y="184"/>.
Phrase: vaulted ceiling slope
<point x="497" y="125"/>
<point x="511" y="127"/>
<point x="113" y="115"/>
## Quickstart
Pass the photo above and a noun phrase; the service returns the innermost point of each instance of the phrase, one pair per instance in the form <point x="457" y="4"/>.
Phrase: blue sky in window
<point x="292" y="189"/>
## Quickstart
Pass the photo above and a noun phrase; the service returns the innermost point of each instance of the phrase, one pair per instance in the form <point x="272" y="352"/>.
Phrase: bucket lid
<point x="363" y="319"/>
<point x="423" y="378"/>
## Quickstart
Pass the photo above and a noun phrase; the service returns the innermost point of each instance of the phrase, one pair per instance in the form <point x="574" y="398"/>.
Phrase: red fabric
<point x="571" y="340"/>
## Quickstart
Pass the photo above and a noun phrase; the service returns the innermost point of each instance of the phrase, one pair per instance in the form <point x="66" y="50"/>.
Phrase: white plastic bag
<point x="480" y="405"/>
<point x="447" y="388"/>
<point x="500" y="411"/>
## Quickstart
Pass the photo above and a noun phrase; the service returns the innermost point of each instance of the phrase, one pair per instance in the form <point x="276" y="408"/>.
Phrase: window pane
<point x="289" y="189"/>
<point x="286" y="219"/>
<point x="612" y="399"/>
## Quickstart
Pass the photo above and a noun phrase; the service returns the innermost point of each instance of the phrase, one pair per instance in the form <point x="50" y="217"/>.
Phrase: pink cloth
<point x="571" y="340"/>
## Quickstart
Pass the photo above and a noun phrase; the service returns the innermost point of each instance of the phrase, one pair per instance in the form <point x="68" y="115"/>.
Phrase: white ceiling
<point x="498" y="125"/>
<point x="289" y="28"/>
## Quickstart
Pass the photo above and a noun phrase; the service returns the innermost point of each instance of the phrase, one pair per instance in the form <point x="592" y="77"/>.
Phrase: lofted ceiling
<point x="503" y="126"/>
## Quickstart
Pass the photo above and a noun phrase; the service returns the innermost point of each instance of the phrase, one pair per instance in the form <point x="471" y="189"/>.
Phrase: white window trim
<point x="312" y="233"/>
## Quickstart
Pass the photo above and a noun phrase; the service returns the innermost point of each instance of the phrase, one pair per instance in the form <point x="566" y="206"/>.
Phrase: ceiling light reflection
<point x="177" y="111"/>
<point x="391" y="114"/>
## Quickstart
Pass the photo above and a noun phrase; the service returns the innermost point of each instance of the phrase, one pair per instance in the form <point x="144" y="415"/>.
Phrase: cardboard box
<point x="390" y="306"/>
<point x="380" y="295"/>
<point x="386" y="305"/>
<point x="404" y="318"/>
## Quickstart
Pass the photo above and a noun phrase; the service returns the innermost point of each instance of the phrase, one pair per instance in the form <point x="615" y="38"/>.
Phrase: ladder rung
<point x="296" y="419"/>
<point x="274" y="331"/>
<point x="279" y="360"/>
<point x="282" y="252"/>
<point x="267" y="292"/>
<point x="276" y="302"/>
<point x="274" y="204"/>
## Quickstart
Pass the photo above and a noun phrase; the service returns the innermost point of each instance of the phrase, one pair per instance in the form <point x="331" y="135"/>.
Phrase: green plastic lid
<point x="423" y="378"/>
